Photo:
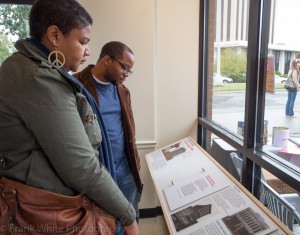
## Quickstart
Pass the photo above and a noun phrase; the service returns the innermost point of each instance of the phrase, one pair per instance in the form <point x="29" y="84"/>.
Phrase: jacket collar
<point x="36" y="51"/>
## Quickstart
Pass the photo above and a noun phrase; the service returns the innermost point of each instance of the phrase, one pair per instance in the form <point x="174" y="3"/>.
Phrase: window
<point x="13" y="26"/>
<point x="229" y="64"/>
<point x="287" y="59"/>
<point x="283" y="131"/>
<point x="276" y="60"/>
<point x="242" y="40"/>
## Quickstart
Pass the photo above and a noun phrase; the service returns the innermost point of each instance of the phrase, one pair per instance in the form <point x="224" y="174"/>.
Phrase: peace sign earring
<point x="57" y="55"/>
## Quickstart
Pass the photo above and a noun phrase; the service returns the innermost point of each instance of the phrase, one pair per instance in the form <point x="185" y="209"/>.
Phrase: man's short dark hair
<point x="114" y="49"/>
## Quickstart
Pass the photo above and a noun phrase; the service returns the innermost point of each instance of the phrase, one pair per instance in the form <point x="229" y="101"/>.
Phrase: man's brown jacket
<point x="87" y="80"/>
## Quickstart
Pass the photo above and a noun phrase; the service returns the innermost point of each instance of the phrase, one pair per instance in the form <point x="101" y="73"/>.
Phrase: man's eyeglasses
<point x="126" y="70"/>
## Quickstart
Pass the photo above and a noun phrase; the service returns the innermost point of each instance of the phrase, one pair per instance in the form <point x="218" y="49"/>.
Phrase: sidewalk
<point x="275" y="117"/>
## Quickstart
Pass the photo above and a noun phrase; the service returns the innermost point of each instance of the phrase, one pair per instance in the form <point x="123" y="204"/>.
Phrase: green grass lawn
<point x="238" y="87"/>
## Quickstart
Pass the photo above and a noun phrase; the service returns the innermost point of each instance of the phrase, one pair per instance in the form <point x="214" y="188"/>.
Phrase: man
<point x="104" y="81"/>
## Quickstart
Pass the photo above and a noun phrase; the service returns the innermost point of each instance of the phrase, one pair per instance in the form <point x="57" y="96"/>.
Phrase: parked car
<point x="279" y="79"/>
<point x="219" y="80"/>
<point x="227" y="80"/>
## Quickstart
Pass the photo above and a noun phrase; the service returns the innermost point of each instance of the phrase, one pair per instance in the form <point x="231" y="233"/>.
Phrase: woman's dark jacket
<point x="48" y="136"/>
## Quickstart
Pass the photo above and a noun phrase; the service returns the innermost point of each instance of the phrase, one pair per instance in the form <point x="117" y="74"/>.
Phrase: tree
<point x="233" y="65"/>
<point x="6" y="47"/>
<point x="13" y="18"/>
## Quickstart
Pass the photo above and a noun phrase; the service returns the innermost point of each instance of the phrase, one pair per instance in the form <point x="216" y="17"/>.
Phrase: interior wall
<point x="176" y="88"/>
<point x="164" y="38"/>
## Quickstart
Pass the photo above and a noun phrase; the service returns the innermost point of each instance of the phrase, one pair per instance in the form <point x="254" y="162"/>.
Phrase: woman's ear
<point x="53" y="34"/>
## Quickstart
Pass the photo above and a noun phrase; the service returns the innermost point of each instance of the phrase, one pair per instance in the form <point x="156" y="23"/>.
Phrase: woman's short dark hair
<point x="65" y="14"/>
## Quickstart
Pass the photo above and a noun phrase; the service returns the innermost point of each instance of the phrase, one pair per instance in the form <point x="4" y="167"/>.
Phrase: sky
<point x="287" y="28"/>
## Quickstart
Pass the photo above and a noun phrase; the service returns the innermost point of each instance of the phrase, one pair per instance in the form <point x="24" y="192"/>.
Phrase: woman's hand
<point x="132" y="229"/>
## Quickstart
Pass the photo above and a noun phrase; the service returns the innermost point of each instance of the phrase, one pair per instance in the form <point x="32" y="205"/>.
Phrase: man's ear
<point x="107" y="59"/>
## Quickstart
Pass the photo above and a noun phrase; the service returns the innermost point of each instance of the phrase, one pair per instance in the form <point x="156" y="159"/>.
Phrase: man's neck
<point x="99" y="76"/>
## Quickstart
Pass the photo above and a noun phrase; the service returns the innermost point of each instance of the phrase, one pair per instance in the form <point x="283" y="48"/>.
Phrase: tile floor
<point x="153" y="226"/>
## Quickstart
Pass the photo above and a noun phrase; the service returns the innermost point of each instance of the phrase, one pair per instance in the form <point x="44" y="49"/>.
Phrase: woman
<point x="293" y="73"/>
<point x="49" y="133"/>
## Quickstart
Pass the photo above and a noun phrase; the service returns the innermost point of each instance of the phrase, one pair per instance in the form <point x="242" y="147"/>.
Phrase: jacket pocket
<point x="89" y="120"/>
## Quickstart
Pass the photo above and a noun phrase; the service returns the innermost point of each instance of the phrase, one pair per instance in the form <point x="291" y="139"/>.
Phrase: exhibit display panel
<point x="198" y="196"/>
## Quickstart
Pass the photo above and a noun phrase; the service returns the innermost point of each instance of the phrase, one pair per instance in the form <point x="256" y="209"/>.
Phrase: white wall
<point x="164" y="37"/>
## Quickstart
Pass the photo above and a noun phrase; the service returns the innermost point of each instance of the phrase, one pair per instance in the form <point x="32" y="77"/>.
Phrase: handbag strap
<point x="291" y="75"/>
<point x="290" y="78"/>
<point x="9" y="195"/>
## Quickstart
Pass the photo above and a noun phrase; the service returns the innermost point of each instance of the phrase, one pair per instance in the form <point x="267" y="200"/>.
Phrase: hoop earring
<point x="57" y="62"/>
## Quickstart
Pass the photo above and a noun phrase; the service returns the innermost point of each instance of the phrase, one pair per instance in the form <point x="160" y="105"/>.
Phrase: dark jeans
<point x="289" y="108"/>
<point x="128" y="187"/>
